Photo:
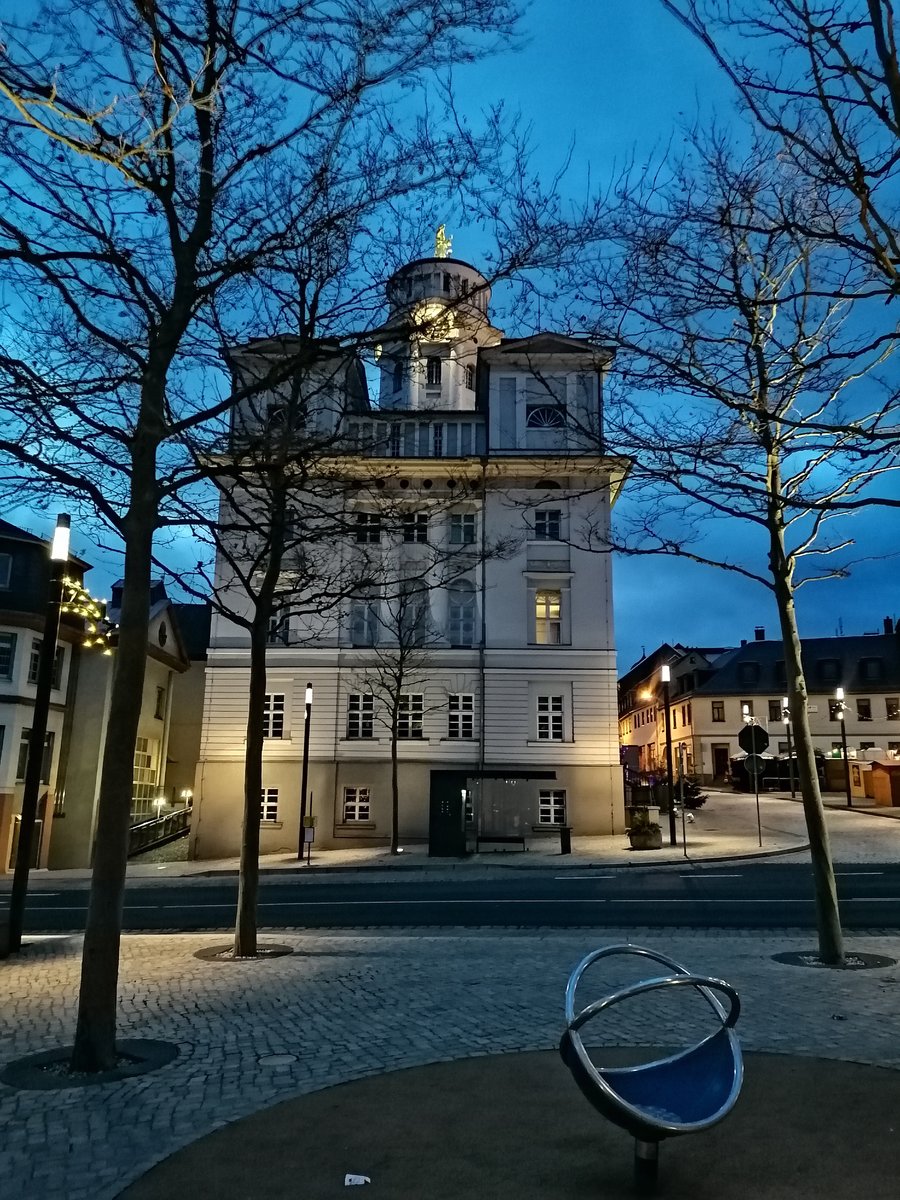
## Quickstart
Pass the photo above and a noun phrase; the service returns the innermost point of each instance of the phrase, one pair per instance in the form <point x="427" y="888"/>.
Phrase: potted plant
<point x="644" y="834"/>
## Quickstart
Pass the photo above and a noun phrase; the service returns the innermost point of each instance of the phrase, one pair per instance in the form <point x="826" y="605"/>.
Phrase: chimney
<point x="759" y="633"/>
<point x="888" y="626"/>
<point x="743" y="641"/>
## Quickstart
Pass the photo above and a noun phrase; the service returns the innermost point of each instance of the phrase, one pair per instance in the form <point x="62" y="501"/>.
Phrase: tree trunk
<point x="828" y="917"/>
<point x="395" y="788"/>
<point x="95" y="1032"/>
<point x="245" y="927"/>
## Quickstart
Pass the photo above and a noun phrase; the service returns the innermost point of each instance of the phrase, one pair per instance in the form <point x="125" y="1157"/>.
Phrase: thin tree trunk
<point x="95" y="1032"/>
<point x="395" y="789"/>
<point x="828" y="917"/>
<point x="245" y="927"/>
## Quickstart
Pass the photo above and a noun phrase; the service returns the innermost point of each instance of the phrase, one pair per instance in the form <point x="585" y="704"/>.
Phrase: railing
<point x="407" y="438"/>
<point x="158" y="831"/>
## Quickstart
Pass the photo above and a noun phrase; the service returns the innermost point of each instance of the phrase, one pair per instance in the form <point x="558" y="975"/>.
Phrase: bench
<point x="501" y="838"/>
<point x="684" y="1093"/>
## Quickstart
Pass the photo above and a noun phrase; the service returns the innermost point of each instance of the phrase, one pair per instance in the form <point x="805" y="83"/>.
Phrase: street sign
<point x="753" y="739"/>
<point x="755" y="764"/>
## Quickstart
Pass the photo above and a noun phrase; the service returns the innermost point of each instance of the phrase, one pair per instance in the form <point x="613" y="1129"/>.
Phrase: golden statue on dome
<point x="443" y="245"/>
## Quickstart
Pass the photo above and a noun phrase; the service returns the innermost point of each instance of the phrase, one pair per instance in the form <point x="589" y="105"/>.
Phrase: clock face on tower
<point x="163" y="635"/>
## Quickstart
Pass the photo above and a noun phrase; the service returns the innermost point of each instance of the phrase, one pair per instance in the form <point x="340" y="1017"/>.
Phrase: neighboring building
<point x="72" y="844"/>
<point x="186" y="710"/>
<point x="710" y="690"/>
<point x="519" y="695"/>
<point x="24" y="582"/>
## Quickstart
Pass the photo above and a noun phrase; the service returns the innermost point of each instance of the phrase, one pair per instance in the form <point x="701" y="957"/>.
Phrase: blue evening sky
<point x="615" y="78"/>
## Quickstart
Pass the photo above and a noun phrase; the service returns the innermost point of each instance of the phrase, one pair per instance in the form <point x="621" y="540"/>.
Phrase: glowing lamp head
<point x="59" y="549"/>
<point x="665" y="673"/>
<point x="308" y="694"/>
<point x="838" y="693"/>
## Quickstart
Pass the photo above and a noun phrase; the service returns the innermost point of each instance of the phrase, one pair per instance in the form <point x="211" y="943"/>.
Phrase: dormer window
<point x="433" y="371"/>
<point x="871" y="669"/>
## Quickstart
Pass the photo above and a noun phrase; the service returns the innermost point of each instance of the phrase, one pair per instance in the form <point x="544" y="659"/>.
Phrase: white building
<point x="477" y="440"/>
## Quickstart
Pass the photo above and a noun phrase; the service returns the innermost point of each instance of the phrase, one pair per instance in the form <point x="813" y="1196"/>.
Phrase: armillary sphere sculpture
<point x="685" y="1093"/>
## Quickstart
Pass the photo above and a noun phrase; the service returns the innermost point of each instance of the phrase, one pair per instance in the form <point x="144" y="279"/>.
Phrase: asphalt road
<point x="722" y="896"/>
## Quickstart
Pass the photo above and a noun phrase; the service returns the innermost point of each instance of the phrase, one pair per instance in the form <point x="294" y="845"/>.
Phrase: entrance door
<point x="720" y="755"/>
<point x="446" y="824"/>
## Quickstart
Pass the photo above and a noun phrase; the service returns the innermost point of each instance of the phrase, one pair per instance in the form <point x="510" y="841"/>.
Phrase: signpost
<point x="753" y="739"/>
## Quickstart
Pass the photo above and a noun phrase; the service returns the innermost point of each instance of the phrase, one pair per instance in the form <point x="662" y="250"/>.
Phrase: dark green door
<point x="446" y="825"/>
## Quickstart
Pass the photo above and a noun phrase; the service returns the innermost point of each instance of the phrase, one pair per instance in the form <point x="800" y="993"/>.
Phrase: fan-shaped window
<point x="545" y="416"/>
<point x="546" y="484"/>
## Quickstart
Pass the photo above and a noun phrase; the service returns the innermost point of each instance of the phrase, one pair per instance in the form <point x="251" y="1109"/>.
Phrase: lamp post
<point x="305" y="772"/>
<point x="786" y="717"/>
<point x="59" y="556"/>
<point x="666" y="676"/>
<point x="841" y="714"/>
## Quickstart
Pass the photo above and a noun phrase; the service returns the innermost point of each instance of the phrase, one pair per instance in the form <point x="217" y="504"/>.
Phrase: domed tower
<point x="437" y="322"/>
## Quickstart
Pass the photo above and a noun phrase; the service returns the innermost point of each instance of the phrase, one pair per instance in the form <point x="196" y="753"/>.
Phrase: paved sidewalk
<point x="347" y="1006"/>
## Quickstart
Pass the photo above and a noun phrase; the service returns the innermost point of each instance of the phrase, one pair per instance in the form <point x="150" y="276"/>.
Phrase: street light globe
<point x="59" y="549"/>
<point x="308" y="694"/>
<point x="665" y="673"/>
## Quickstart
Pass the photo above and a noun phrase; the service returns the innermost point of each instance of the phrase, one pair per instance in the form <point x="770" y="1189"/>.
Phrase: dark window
<point x="363" y="622"/>
<point x="828" y="670"/>
<point x="8" y="654"/>
<point x="433" y="371"/>
<point x="552" y="807"/>
<point x="360" y="715"/>
<point x="461" y="717"/>
<point x="34" y="663"/>
<point x="892" y="708"/>
<point x="437" y="440"/>
<point x="461" y="613"/>
<point x="399" y="369"/>
<point x="46" y="761"/>
<point x="5" y="569"/>
<point x="718" y="710"/>
<point x="273" y="715"/>
<point x="871" y="669"/>
<point x="748" y="672"/>
<point x="415" y="527"/>
<point x="462" y="529"/>
<point x="867" y="745"/>
<point x="863" y="710"/>
<point x="446" y="283"/>
<point x="368" y="527"/>
<point x="160" y="711"/>
<point x="774" y="710"/>
<point x="410" y="714"/>
<point x="470" y="377"/>
<point x="780" y="673"/>
<point x="547" y="525"/>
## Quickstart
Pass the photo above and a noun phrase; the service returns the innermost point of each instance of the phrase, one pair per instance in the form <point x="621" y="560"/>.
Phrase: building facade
<point x="487" y="455"/>
<point x="711" y="690"/>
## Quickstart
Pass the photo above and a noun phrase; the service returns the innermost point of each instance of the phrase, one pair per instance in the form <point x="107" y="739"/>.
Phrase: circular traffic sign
<point x="755" y="764"/>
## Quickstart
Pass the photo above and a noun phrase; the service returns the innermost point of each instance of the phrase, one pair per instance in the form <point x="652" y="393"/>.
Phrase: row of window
<point x="8" y="659"/>
<point x="433" y="372"/>
<point x="864" y="711"/>
<point x="825" y="670"/>
<point x="463" y="527"/>
<point x="460" y="713"/>
<point x="357" y="806"/>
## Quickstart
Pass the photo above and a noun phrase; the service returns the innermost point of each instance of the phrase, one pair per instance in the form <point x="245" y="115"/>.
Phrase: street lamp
<point x="841" y="709"/>
<point x="666" y="677"/>
<point x="59" y="556"/>
<point x="305" y="772"/>
<point x="786" y="717"/>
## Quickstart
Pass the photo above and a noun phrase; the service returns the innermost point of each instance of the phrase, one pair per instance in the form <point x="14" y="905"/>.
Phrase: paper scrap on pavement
<point x="355" y="1180"/>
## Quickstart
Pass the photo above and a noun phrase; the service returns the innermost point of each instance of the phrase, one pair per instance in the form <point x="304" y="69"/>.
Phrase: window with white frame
<point x="273" y="715"/>
<point x="548" y="617"/>
<point x="461" y="613"/>
<point x="550" y="718"/>
<point x="433" y="371"/>
<point x="144" y="776"/>
<point x="364" y="622"/>
<point x="279" y="628"/>
<point x="462" y="529"/>
<point x="461" y="715"/>
<point x="268" y="804"/>
<point x="469" y="377"/>
<point x="415" y="527"/>
<point x="547" y="524"/>
<point x="368" y="527"/>
<point x="410" y="715"/>
<point x="552" y="807"/>
<point x="46" y="759"/>
<point x="360" y="715"/>
<point x="34" y="664"/>
<point x="356" y="805"/>
<point x="7" y="654"/>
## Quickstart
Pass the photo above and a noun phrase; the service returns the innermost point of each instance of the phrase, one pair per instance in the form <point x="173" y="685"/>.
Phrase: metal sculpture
<point x="684" y="1093"/>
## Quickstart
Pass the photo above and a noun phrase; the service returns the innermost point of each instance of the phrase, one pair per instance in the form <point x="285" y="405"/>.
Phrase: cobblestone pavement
<point x="350" y="1004"/>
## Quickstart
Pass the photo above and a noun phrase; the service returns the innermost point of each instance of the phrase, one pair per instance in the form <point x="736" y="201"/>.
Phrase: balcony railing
<point x="444" y="438"/>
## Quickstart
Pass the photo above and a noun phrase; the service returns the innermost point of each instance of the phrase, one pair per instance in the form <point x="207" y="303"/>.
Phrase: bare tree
<point x="735" y="357"/>
<point x="166" y="168"/>
<point x="823" y="76"/>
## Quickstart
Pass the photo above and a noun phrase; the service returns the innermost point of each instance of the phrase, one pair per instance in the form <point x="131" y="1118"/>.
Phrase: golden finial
<point x="442" y="244"/>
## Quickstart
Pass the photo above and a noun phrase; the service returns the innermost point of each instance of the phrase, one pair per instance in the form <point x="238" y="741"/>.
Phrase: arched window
<point x="545" y="485"/>
<point x="461" y="613"/>
<point x="545" y="416"/>
<point x="398" y="374"/>
<point x="433" y="370"/>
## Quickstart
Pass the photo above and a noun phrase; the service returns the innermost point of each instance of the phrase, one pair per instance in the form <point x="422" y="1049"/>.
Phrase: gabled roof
<point x="14" y="533"/>
<point x="758" y="667"/>
<point x="553" y="343"/>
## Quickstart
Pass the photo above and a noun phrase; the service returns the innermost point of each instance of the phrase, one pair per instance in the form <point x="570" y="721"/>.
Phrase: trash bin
<point x="565" y="839"/>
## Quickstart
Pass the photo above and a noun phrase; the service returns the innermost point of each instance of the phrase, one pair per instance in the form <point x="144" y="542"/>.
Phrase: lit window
<point x="273" y="715"/>
<point x="746" y="708"/>
<point x="462" y="529"/>
<point x="547" y="525"/>
<point x="268" y="804"/>
<point x="552" y="807"/>
<point x="461" y="717"/>
<point x="360" y="715"/>
<point x="356" y="804"/>
<point x="547" y="618"/>
<point x="410" y="714"/>
<point x="550" y="718"/>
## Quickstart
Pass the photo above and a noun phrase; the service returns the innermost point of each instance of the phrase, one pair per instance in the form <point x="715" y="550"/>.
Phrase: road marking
<point x="701" y="874"/>
<point x="844" y="874"/>
<point x="567" y="877"/>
